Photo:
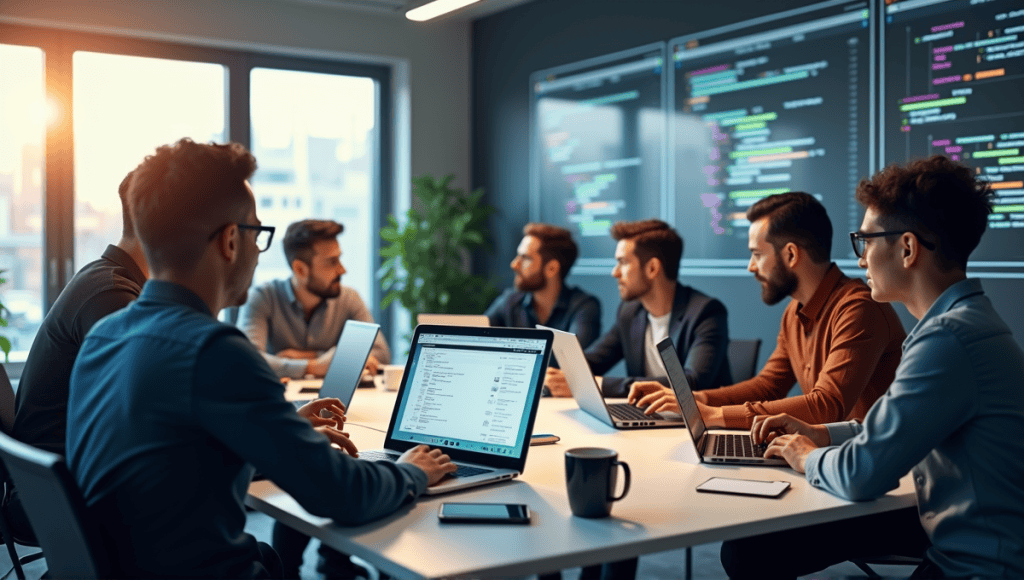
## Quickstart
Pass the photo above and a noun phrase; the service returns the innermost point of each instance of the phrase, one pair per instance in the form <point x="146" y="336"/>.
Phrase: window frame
<point x="58" y="48"/>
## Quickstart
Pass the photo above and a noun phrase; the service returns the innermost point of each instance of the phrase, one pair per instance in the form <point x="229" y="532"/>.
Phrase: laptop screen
<point x="681" y="386"/>
<point x="470" y="392"/>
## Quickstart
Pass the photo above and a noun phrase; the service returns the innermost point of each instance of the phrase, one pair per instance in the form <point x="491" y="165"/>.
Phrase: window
<point x="124" y="108"/>
<point x="22" y="139"/>
<point x="321" y="130"/>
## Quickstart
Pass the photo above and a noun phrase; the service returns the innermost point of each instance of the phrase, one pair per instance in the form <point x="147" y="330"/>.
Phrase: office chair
<point x="892" y="560"/>
<point x="7" y="408"/>
<point x="56" y="510"/>
<point x="743" y="358"/>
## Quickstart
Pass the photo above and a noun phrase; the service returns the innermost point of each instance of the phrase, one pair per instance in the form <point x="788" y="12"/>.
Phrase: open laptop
<point x="346" y="368"/>
<point x="472" y="392"/>
<point x="453" y="319"/>
<point x="734" y="448"/>
<point x="569" y="354"/>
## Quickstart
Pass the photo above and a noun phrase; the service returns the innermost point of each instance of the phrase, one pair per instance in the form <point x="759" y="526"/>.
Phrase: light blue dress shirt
<point x="954" y="417"/>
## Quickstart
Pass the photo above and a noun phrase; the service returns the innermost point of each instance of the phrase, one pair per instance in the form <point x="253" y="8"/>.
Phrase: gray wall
<point x="509" y="46"/>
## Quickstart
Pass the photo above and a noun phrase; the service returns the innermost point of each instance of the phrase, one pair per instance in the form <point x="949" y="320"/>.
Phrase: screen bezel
<point x="515" y="463"/>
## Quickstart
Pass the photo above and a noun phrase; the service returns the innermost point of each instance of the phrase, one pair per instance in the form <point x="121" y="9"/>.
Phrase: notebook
<point x="453" y="319"/>
<point x="346" y="368"/>
<point x="587" y="393"/>
<point x="472" y="392"/>
<point x="734" y="448"/>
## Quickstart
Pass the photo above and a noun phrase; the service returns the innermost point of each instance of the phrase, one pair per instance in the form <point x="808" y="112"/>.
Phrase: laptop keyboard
<point x="627" y="412"/>
<point x="463" y="471"/>
<point x="737" y="446"/>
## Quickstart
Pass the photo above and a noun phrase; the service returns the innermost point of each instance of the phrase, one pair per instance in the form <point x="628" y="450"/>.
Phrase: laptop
<point x="346" y="369"/>
<point x="569" y="354"/>
<point x="473" y="392"/>
<point x="732" y="448"/>
<point x="453" y="319"/>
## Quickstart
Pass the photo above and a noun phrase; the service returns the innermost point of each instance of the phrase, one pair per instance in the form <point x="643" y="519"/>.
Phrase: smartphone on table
<point x="484" y="513"/>
<point x="744" y="487"/>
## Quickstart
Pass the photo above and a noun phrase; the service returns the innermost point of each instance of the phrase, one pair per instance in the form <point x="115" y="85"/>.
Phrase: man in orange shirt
<point x="841" y="346"/>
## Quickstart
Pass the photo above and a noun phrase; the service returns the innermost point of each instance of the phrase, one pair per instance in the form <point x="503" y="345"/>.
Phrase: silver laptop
<point x="453" y="319"/>
<point x="472" y="392"/>
<point x="346" y="369"/>
<point x="587" y="393"/>
<point x="734" y="448"/>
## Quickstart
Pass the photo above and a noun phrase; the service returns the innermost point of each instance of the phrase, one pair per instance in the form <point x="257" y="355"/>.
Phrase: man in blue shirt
<point x="953" y="416"/>
<point x="543" y="260"/>
<point x="170" y="412"/>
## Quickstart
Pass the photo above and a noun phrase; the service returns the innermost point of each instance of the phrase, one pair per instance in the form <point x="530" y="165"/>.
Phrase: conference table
<point x="662" y="511"/>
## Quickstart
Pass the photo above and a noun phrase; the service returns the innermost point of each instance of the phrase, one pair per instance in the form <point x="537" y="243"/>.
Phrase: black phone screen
<point x="508" y="513"/>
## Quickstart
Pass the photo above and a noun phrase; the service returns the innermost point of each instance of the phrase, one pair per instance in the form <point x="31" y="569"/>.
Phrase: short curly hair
<point x="653" y="239"/>
<point x="937" y="198"/>
<point x="300" y="237"/>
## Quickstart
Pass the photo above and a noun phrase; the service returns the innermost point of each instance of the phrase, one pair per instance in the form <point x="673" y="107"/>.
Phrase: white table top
<point x="661" y="512"/>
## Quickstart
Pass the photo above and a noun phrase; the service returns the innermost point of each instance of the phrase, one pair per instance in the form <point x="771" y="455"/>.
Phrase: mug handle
<point x="625" y="487"/>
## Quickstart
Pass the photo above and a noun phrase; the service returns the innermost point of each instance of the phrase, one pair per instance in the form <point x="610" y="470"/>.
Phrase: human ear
<point x="300" y="268"/>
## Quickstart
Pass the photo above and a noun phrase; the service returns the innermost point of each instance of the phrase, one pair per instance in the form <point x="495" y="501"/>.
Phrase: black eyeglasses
<point x="858" y="240"/>
<point x="264" y="234"/>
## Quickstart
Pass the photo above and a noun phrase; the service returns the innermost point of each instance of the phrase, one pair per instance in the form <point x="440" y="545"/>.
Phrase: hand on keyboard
<point x="435" y="463"/>
<point x="653" y="397"/>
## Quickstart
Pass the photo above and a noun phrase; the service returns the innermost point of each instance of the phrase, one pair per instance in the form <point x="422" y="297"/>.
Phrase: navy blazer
<point x="698" y="328"/>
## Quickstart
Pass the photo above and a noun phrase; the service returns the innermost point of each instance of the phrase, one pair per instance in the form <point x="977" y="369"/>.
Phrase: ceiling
<point x="398" y="8"/>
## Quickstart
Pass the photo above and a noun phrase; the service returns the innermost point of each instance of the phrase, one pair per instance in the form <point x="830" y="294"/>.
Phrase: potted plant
<point x="426" y="258"/>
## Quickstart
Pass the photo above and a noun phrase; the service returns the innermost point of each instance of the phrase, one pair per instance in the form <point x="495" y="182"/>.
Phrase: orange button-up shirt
<point x="842" y="347"/>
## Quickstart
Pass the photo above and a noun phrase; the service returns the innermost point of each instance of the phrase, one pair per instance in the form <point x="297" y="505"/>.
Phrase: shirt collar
<point x="163" y="291"/>
<point x="284" y="286"/>
<point x="948" y="299"/>
<point x="812" y="310"/>
<point x="562" y="303"/>
<point x="125" y="260"/>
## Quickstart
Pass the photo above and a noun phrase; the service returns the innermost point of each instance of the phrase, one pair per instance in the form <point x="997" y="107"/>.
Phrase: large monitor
<point x="597" y="150"/>
<point x="953" y="80"/>
<point x="767" y="106"/>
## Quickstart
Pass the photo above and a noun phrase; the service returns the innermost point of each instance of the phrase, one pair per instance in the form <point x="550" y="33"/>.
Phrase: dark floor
<point x="661" y="566"/>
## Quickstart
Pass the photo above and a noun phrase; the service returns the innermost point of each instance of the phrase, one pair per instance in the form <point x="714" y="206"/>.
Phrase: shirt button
<point x="920" y="480"/>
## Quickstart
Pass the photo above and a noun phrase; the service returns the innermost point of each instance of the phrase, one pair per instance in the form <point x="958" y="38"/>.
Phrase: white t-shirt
<point x="657" y="330"/>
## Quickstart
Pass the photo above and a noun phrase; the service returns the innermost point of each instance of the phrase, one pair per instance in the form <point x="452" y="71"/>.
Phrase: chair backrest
<point x="743" y="358"/>
<point x="6" y="401"/>
<point x="56" y="509"/>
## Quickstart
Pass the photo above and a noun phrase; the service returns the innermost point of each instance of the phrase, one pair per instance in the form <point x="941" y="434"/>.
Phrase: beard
<point x="531" y="284"/>
<point x="781" y="282"/>
<point x="627" y="293"/>
<point x="329" y="290"/>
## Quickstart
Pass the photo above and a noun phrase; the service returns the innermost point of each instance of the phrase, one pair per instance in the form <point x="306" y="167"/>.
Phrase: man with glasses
<point x="171" y="412"/>
<point x="295" y="322"/>
<point x="841" y="346"/>
<point x="953" y="416"/>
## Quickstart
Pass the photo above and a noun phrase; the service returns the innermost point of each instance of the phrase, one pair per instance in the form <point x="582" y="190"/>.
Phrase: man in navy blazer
<point x="654" y="306"/>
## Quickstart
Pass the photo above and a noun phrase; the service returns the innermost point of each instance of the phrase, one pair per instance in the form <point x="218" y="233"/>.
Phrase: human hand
<point x="713" y="417"/>
<point x="318" y="366"/>
<point x="555" y="381"/>
<point x="339" y="439"/>
<point x="653" y="397"/>
<point x="793" y="448"/>
<point x="766" y="428"/>
<point x="372" y="364"/>
<point x="315" y="410"/>
<point x="433" y="462"/>
<point x="296" y="353"/>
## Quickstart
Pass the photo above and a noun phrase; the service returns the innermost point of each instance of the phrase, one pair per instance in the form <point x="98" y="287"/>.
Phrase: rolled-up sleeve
<point x="254" y="319"/>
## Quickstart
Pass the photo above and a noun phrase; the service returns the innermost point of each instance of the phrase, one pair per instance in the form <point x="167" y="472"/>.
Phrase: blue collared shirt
<point x="954" y="417"/>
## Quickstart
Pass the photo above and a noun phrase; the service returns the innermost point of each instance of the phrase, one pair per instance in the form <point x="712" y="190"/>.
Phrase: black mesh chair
<point x="9" y="538"/>
<point x="56" y="511"/>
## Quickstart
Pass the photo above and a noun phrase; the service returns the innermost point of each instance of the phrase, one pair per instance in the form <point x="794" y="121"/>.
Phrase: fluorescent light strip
<point x="436" y="8"/>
